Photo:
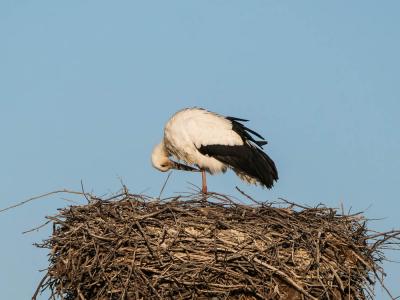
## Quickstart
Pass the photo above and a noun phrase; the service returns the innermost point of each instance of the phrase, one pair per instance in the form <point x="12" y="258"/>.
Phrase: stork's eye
<point x="163" y="165"/>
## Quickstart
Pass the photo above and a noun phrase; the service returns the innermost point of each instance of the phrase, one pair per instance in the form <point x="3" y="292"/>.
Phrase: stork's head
<point x="160" y="160"/>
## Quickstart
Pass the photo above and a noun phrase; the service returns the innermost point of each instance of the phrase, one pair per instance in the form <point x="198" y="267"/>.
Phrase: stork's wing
<point x="245" y="160"/>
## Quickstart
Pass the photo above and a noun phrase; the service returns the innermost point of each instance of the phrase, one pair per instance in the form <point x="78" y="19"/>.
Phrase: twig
<point x="286" y="278"/>
<point x="165" y="183"/>
<point x="247" y="196"/>
<point x="39" y="286"/>
<point x="145" y="239"/>
<point x="83" y="192"/>
<point x="38" y="197"/>
<point x="384" y="286"/>
<point x="37" y="228"/>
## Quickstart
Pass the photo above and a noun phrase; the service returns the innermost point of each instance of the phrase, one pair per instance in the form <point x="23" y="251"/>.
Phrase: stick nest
<point x="208" y="247"/>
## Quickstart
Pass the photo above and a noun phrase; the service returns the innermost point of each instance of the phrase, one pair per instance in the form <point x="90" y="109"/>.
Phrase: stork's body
<point x="213" y="143"/>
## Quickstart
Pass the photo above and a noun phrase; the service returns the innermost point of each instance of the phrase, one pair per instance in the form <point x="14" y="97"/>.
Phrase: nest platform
<point x="208" y="247"/>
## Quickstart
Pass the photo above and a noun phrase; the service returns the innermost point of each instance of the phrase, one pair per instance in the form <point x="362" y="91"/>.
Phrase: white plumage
<point x="213" y="143"/>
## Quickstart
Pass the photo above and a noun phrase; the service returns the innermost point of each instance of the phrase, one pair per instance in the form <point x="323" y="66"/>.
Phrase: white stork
<point x="213" y="143"/>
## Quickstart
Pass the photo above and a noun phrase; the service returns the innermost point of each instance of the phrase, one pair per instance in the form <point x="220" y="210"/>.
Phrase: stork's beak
<point x="179" y="166"/>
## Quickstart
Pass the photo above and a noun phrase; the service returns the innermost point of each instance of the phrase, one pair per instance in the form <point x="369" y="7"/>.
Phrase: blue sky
<point x="86" y="87"/>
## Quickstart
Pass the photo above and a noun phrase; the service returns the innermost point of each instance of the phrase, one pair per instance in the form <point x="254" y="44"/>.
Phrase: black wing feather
<point x="236" y="119"/>
<point x="243" y="132"/>
<point x="252" y="131"/>
<point x="245" y="159"/>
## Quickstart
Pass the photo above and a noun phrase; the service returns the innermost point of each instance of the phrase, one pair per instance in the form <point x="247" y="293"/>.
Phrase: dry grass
<point x="209" y="247"/>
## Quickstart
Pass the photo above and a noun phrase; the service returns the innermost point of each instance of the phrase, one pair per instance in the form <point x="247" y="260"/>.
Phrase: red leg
<point x="204" y="182"/>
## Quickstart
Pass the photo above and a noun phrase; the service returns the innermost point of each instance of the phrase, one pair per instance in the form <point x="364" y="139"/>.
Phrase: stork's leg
<point x="204" y="182"/>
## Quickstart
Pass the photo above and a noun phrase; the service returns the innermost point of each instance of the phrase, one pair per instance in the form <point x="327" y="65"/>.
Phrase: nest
<point x="197" y="247"/>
